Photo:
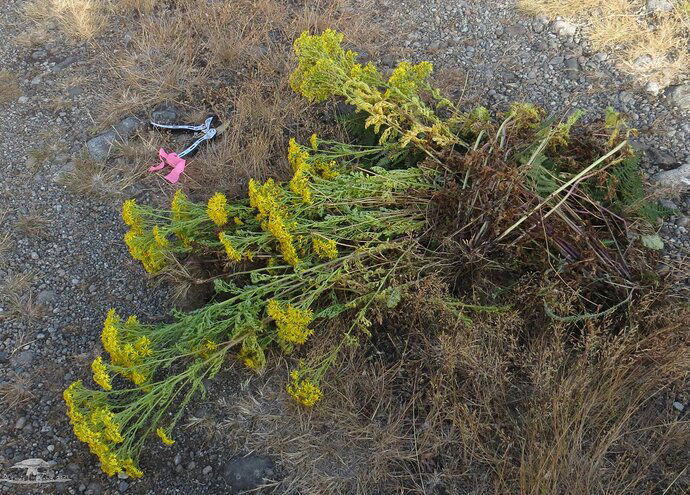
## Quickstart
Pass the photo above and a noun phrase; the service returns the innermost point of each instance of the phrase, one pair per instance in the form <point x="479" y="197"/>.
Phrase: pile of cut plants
<point x="434" y="233"/>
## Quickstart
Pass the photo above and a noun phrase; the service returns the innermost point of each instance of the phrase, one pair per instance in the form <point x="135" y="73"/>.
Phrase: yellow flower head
<point x="129" y="213"/>
<point x="159" y="237"/>
<point x="232" y="253"/>
<point x="237" y="220"/>
<point x="178" y="205"/>
<point x="100" y="374"/>
<point x="408" y="79"/>
<point x="252" y="355"/>
<point x="216" y="209"/>
<point x="109" y="336"/>
<point x="142" y="346"/>
<point x="313" y="140"/>
<point x="164" y="436"/>
<point x="325" y="249"/>
<point x="207" y="348"/>
<point x="292" y="323"/>
<point x="131" y="469"/>
<point x="303" y="391"/>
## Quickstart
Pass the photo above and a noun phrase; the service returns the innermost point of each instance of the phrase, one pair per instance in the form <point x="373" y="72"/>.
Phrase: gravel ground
<point x="70" y="246"/>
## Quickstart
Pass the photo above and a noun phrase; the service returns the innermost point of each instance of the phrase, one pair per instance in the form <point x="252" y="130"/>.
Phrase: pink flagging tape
<point x="171" y="160"/>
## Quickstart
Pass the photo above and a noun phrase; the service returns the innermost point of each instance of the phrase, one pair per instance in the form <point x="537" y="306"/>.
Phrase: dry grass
<point x="5" y="237"/>
<point x="18" y="299"/>
<point x="79" y="19"/>
<point x="16" y="391"/>
<point x="511" y="404"/>
<point x="650" y="46"/>
<point x="231" y="59"/>
<point x="9" y="87"/>
<point x="33" y="224"/>
<point x="98" y="179"/>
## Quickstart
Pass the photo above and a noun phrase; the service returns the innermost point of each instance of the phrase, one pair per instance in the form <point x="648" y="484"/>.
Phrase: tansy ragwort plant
<point x="333" y="239"/>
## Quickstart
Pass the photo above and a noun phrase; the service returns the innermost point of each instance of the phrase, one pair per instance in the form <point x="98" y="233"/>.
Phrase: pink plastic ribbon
<point x="171" y="160"/>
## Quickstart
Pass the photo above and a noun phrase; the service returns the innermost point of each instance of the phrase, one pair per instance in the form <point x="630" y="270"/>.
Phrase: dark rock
<point x="75" y="90"/>
<point x="662" y="159"/>
<point x="247" y="473"/>
<point x="679" y="96"/>
<point x="24" y="358"/>
<point x="94" y="488"/>
<point x="100" y="146"/>
<point x="45" y="297"/>
<point x="129" y="126"/>
<point x="165" y="113"/>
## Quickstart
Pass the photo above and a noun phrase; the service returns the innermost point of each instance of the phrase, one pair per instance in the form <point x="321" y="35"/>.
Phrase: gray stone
<point x="122" y="486"/>
<point x="661" y="158"/>
<point x="207" y="470"/>
<point x="679" y="96"/>
<point x="75" y="90"/>
<point x="247" y="473"/>
<point x="677" y="179"/>
<point x="21" y="423"/>
<point x="652" y="88"/>
<point x="556" y="61"/>
<point x="24" y="358"/>
<point x="679" y="406"/>
<point x="39" y="54"/>
<point x="129" y="126"/>
<point x="564" y="28"/>
<point x="165" y="113"/>
<point x="100" y="146"/>
<point x="660" y="5"/>
<point x="94" y="488"/>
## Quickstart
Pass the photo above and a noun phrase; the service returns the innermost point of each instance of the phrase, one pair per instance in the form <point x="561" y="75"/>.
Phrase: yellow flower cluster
<point x="299" y="184"/>
<point x="216" y="209"/>
<point x="325" y="249"/>
<point x="127" y="355"/>
<point x="252" y="355"/>
<point x="292" y="323"/>
<point x="232" y="253"/>
<point x="160" y="237"/>
<point x="142" y="249"/>
<point x="100" y="374"/>
<point x="164" y="436"/>
<point x="207" y="348"/>
<point x="325" y="69"/>
<point x="302" y="390"/>
<point x="179" y="208"/>
<point x="97" y="427"/>
<point x="129" y="214"/>
<point x="322" y="65"/>
<point x="408" y="79"/>
<point x="273" y="216"/>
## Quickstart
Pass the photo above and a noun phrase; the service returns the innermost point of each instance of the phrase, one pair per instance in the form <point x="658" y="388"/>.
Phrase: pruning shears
<point x="208" y="132"/>
<point x="204" y="132"/>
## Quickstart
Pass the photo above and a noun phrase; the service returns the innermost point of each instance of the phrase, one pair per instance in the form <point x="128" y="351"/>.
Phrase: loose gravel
<point x="69" y="247"/>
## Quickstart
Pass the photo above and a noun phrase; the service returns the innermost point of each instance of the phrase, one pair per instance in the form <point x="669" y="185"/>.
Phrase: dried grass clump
<point x="232" y="59"/>
<point x="9" y="87"/>
<point x="513" y="403"/>
<point x="651" y="46"/>
<point x="79" y="19"/>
